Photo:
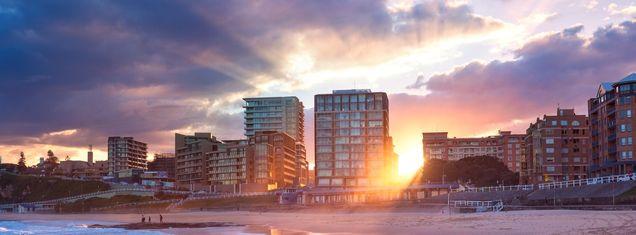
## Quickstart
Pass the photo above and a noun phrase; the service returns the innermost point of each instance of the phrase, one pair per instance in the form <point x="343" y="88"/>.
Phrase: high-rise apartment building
<point x="126" y="153"/>
<point x="353" y="146"/>
<point x="557" y="147"/>
<point x="505" y="146"/>
<point x="163" y="162"/>
<point x="191" y="162"/>
<point x="282" y="114"/>
<point x="611" y="119"/>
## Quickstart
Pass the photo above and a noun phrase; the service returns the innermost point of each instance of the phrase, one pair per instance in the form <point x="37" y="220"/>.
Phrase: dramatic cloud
<point x="149" y="68"/>
<point x="558" y="69"/>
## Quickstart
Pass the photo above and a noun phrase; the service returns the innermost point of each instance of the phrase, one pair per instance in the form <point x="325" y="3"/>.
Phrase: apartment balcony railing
<point x="611" y="138"/>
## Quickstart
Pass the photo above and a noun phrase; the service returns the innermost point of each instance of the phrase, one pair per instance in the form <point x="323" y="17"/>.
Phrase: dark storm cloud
<point x="145" y="68"/>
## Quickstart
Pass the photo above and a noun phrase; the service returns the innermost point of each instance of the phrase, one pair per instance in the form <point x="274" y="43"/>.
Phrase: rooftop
<point x="351" y="91"/>
<point x="628" y="79"/>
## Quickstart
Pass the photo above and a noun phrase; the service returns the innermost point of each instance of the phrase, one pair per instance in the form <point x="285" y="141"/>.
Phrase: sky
<point x="73" y="73"/>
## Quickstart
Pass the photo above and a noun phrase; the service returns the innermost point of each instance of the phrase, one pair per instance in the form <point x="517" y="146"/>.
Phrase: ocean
<point x="79" y="228"/>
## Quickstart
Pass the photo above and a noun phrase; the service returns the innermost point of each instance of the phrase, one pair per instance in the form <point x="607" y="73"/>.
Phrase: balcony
<point x="611" y="150"/>
<point x="611" y="138"/>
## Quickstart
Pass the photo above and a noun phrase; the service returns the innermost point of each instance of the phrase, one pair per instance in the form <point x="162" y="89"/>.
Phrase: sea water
<point x="79" y="228"/>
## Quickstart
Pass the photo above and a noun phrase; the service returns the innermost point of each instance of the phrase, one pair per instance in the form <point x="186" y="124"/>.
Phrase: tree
<point x="22" y="164"/>
<point x="480" y="171"/>
<point x="51" y="163"/>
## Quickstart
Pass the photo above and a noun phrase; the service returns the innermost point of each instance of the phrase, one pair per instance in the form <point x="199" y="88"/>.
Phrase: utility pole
<point x="449" y="207"/>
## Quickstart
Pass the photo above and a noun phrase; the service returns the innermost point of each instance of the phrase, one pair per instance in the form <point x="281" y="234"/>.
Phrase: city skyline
<point x="474" y="65"/>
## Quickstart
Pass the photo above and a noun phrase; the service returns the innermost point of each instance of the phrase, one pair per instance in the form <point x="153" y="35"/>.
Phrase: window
<point x="626" y="127"/>
<point x="625" y="100"/>
<point x="549" y="150"/>
<point x="549" y="169"/>
<point x="626" y="113"/>
<point x="549" y="140"/>
<point x="564" y="123"/>
<point x="624" y="88"/>
<point x="324" y="173"/>
<point x="576" y="123"/>
<point x="626" y="141"/>
<point x="323" y="182"/>
<point x="554" y="122"/>
<point x="627" y="155"/>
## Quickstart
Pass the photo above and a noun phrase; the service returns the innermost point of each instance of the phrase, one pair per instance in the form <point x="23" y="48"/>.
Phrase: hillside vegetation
<point x="480" y="171"/>
<point x="26" y="188"/>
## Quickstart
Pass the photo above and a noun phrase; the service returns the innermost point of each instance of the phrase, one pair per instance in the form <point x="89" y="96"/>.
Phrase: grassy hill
<point x="25" y="188"/>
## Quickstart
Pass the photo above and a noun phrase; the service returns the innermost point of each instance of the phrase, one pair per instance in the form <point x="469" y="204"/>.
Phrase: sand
<point x="512" y="222"/>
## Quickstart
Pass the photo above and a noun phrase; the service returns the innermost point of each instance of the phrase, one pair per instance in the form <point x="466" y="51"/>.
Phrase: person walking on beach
<point x="160" y="218"/>
<point x="143" y="218"/>
<point x="149" y="219"/>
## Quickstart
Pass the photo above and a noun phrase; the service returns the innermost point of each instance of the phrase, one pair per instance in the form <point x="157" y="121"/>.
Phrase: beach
<point x="512" y="222"/>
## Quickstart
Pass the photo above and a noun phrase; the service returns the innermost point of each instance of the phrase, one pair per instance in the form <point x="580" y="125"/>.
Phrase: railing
<point x="561" y="184"/>
<point x="523" y="187"/>
<point x="589" y="181"/>
<point x="89" y="195"/>
<point x="217" y="196"/>
<point x="136" y="204"/>
<point x="479" y="205"/>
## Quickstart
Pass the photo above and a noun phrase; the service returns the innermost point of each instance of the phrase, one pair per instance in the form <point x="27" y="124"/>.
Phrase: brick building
<point x="557" y="148"/>
<point x="505" y="146"/>
<point x="611" y="120"/>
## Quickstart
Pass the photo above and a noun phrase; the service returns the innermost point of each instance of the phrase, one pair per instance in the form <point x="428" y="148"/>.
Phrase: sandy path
<point x="516" y="222"/>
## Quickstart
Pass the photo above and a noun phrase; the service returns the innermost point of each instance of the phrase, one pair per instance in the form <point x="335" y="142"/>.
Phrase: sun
<point x="409" y="162"/>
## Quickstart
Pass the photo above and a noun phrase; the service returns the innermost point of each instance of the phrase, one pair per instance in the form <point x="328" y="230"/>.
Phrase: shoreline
<point x="512" y="222"/>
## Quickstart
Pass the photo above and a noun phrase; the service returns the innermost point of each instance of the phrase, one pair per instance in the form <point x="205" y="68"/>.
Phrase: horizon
<point x="72" y="76"/>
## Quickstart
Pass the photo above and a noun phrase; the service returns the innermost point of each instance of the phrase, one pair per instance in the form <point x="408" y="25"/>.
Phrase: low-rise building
<point x="505" y="146"/>
<point x="190" y="159"/>
<point x="163" y="162"/>
<point x="227" y="167"/>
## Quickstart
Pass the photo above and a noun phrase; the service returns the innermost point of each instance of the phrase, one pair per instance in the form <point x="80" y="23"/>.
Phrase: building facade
<point x="164" y="162"/>
<point x="190" y="159"/>
<point x="611" y="115"/>
<point x="505" y="146"/>
<point x="271" y="159"/>
<point x="557" y="148"/>
<point x="282" y="114"/>
<point x="228" y="165"/>
<point x="353" y="147"/>
<point x="126" y="153"/>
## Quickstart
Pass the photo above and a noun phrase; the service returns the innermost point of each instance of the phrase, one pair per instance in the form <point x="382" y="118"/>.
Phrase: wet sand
<point x="514" y="222"/>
